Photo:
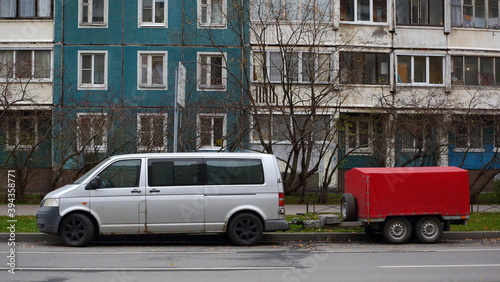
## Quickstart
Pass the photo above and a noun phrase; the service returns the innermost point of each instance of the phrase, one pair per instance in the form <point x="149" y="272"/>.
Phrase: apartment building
<point x="379" y="83"/>
<point x="26" y="85"/>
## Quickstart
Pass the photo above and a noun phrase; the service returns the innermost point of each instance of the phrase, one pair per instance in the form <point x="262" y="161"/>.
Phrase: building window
<point x="291" y="10"/>
<point x="32" y="65"/>
<point x="364" y="68"/>
<point x="300" y="67"/>
<point x="412" y="137"/>
<point x="153" y="70"/>
<point x="483" y="71"/>
<point x="212" y="71"/>
<point x="363" y="10"/>
<point x="92" y="132"/>
<point x="469" y="136"/>
<point x="359" y="136"/>
<point x="420" y="12"/>
<point x="212" y="13"/>
<point x="93" y="70"/>
<point x="475" y="13"/>
<point x="279" y="128"/>
<point x="420" y="70"/>
<point x="151" y="132"/>
<point x="93" y="13"/>
<point x="25" y="9"/>
<point x="21" y="132"/>
<point x="211" y="131"/>
<point x="153" y="13"/>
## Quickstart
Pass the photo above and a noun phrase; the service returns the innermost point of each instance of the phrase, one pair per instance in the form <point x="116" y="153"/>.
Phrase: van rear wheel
<point x="245" y="230"/>
<point x="76" y="230"/>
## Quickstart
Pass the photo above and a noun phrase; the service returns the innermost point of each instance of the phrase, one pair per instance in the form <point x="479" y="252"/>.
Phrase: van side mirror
<point x="94" y="183"/>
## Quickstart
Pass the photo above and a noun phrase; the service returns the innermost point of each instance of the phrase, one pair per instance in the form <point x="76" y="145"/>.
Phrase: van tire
<point x="76" y="230"/>
<point x="348" y="207"/>
<point x="245" y="229"/>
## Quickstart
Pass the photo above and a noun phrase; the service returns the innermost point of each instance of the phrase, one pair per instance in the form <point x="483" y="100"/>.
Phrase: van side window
<point x="173" y="172"/>
<point x="231" y="171"/>
<point x="121" y="174"/>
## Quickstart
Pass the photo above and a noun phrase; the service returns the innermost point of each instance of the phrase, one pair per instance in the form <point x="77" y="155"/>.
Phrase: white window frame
<point x="91" y="147"/>
<point x="473" y="23"/>
<point x="38" y="8"/>
<point x="300" y="67"/>
<point x="427" y="70"/>
<point x="223" y="86"/>
<point x="32" y="78"/>
<point x="17" y="133"/>
<point x="139" y="131"/>
<point x="371" y="14"/>
<point x="415" y="142"/>
<point x="91" y="24"/>
<point x="92" y="86"/>
<point x="153" y="24"/>
<point x="209" y="24"/>
<point x="469" y="149"/>
<point x="150" y="84"/>
<point x="358" y="149"/>
<point x="260" y="11"/>
<point x="212" y="146"/>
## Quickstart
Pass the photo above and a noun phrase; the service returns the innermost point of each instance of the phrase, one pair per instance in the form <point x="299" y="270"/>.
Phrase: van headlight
<point x="50" y="202"/>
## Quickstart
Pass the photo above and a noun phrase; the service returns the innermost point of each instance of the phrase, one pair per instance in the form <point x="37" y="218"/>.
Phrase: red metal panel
<point x="382" y="192"/>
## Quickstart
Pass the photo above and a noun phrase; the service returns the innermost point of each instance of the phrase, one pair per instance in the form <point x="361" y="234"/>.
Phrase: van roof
<point x="192" y="154"/>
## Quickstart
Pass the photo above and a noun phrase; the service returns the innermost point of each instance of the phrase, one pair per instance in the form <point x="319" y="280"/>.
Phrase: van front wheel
<point x="245" y="230"/>
<point x="76" y="230"/>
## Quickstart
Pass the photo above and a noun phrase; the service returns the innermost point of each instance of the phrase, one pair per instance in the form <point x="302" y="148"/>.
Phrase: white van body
<point x="240" y="194"/>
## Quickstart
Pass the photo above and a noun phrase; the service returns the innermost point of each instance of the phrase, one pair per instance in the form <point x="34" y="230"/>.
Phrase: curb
<point x="270" y="237"/>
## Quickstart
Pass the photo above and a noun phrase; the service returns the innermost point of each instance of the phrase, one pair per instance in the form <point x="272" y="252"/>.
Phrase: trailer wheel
<point x="348" y="207"/>
<point x="397" y="230"/>
<point x="428" y="230"/>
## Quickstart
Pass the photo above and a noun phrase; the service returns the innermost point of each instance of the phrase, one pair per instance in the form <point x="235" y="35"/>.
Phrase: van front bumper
<point x="276" y="225"/>
<point x="47" y="219"/>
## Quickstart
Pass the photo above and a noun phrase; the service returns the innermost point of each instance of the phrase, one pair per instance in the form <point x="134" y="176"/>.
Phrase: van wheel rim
<point x="246" y="229"/>
<point x="74" y="230"/>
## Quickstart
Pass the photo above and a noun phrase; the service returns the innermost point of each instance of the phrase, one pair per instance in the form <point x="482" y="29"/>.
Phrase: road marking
<point x="125" y="253"/>
<point x="81" y="269"/>
<point x="439" y="266"/>
<point x="405" y="251"/>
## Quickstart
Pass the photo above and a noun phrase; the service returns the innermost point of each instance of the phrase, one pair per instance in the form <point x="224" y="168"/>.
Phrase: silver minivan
<point x="240" y="194"/>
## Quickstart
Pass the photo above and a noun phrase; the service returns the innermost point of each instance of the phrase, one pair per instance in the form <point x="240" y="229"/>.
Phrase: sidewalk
<point x="290" y="209"/>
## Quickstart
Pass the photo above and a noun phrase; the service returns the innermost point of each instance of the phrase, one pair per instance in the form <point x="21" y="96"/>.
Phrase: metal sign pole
<point x="176" y="117"/>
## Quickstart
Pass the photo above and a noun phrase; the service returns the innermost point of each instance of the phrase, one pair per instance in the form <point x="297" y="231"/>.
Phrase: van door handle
<point x="154" y="190"/>
<point x="135" y="191"/>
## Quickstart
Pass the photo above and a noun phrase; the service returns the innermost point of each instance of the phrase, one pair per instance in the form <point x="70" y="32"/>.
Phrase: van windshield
<point x="86" y="175"/>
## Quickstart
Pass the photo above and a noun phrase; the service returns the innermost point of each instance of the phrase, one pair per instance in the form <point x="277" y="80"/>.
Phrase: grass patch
<point x="483" y="221"/>
<point x="312" y="198"/>
<point x="24" y="224"/>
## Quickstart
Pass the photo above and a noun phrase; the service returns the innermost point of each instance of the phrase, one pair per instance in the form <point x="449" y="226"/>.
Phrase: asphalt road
<point x="212" y="260"/>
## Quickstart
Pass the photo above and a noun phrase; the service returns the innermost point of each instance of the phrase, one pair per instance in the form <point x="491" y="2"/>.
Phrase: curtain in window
<point x="217" y="12"/>
<point x="6" y="64"/>
<point x="98" y="69"/>
<point x="98" y="11"/>
<point x="44" y="8"/>
<point x="456" y="15"/>
<point x="42" y="64"/>
<point x="7" y="8"/>
<point x="27" y="8"/>
<point x="157" y="66"/>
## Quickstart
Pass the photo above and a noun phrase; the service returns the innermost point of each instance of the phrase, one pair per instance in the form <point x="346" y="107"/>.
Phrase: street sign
<point x="181" y="85"/>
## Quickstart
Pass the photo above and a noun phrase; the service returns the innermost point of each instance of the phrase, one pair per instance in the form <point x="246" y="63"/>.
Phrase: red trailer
<point x="391" y="202"/>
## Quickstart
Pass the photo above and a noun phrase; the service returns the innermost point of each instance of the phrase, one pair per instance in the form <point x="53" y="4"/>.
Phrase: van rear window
<point x="234" y="171"/>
